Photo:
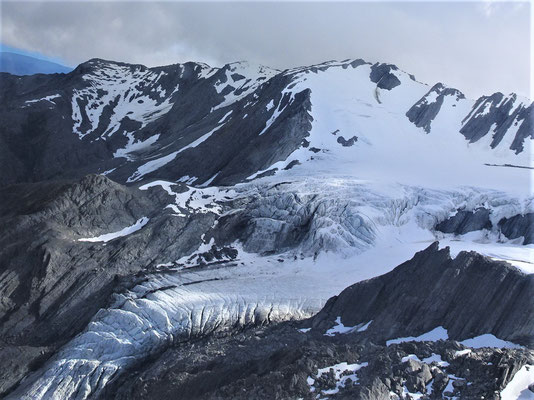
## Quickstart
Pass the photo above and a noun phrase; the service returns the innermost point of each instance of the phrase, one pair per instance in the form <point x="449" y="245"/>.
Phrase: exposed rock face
<point x="347" y="142"/>
<point x="526" y="129"/>
<point x="382" y="75"/>
<point x="494" y="115"/>
<point x="466" y="221"/>
<point x="498" y="113"/>
<point x="127" y="107"/>
<point x="51" y="284"/>
<point x="280" y="362"/>
<point x="513" y="227"/>
<point x="519" y="226"/>
<point x="469" y="296"/>
<point x="428" y="107"/>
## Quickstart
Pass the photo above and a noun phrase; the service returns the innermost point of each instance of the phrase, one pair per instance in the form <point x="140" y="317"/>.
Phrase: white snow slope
<point x="346" y="103"/>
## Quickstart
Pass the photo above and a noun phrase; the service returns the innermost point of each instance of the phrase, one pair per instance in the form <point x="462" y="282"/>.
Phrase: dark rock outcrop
<point x="65" y="126"/>
<point x="383" y="77"/>
<point x="428" y="107"/>
<point x="519" y="226"/>
<point x="347" y="142"/>
<point x="499" y="113"/>
<point x="526" y="129"/>
<point x="469" y="295"/>
<point x="277" y="363"/>
<point x="466" y="221"/>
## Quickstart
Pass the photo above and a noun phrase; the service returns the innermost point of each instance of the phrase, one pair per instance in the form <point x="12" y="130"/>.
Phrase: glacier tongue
<point x="166" y="309"/>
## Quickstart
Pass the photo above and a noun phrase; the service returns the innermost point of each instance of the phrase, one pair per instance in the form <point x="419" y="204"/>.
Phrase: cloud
<point x="495" y="7"/>
<point x="458" y="43"/>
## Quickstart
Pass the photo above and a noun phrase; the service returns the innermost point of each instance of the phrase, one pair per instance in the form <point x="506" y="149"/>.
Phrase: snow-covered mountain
<point x="144" y="208"/>
<point x="226" y="125"/>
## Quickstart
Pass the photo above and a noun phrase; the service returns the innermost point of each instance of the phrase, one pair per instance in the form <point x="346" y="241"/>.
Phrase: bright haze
<point x="478" y="47"/>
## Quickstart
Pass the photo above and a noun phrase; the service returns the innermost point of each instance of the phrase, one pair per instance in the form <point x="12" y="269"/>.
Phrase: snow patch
<point x="135" y="145"/>
<point x="460" y="353"/>
<point x="156" y="164"/>
<point x="342" y="373"/>
<point x="434" y="335"/>
<point x="437" y="359"/>
<point x="342" y="329"/>
<point x="133" y="93"/>
<point x="47" y="98"/>
<point x="114" y="235"/>
<point x="488" y="340"/>
<point x="414" y="396"/>
<point x="517" y="388"/>
<point x="410" y="357"/>
<point x="208" y="182"/>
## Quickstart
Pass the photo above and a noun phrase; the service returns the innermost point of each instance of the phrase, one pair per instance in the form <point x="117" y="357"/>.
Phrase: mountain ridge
<point x="19" y="64"/>
<point x="329" y="63"/>
<point x="138" y="119"/>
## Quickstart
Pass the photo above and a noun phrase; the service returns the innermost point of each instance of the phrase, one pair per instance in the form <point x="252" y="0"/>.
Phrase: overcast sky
<point x="479" y="47"/>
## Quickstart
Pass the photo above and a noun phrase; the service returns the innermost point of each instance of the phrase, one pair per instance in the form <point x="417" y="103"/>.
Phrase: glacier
<point x="350" y="231"/>
<point x="315" y="177"/>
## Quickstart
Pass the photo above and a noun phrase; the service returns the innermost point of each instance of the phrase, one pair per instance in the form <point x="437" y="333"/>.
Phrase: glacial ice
<point x="347" y="231"/>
